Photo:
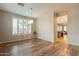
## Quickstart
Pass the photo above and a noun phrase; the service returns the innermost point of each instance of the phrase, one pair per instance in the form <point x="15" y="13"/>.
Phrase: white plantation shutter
<point x="21" y="26"/>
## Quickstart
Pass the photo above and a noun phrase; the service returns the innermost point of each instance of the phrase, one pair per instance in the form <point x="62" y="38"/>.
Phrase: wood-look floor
<point x="38" y="47"/>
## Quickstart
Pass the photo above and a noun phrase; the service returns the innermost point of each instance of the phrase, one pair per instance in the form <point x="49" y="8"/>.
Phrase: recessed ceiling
<point x="38" y="8"/>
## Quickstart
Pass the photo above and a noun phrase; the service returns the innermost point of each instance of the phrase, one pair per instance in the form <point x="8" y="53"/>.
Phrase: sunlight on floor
<point x="63" y="42"/>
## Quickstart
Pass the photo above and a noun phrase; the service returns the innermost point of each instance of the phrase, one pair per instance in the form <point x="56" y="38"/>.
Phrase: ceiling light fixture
<point x="31" y="21"/>
<point x="21" y="4"/>
<point x="31" y="10"/>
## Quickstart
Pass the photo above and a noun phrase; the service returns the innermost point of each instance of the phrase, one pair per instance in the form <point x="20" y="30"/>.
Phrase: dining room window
<point x="22" y="26"/>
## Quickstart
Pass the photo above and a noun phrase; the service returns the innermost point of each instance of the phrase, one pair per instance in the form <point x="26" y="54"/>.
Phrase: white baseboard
<point x="12" y="41"/>
<point x="22" y="39"/>
<point x="45" y="39"/>
<point x="73" y="44"/>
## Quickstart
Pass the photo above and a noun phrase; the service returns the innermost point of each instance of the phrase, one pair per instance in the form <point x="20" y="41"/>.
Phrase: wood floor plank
<point x="38" y="47"/>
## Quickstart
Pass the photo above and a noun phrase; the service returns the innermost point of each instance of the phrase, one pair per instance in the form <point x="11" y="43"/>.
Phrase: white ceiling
<point x="38" y="8"/>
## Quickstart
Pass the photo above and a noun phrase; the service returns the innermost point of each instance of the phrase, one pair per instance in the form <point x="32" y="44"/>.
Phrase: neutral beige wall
<point x="45" y="26"/>
<point x="6" y="27"/>
<point x="72" y="25"/>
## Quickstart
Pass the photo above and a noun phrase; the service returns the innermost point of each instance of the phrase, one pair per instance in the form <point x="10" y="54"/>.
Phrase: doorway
<point x="61" y="28"/>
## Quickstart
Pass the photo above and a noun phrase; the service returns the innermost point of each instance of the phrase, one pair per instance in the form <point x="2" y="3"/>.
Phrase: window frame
<point x="17" y="30"/>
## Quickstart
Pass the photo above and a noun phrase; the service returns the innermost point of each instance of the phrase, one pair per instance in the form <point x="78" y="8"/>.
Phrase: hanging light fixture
<point x="31" y="21"/>
<point x="31" y="10"/>
<point x="21" y="4"/>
